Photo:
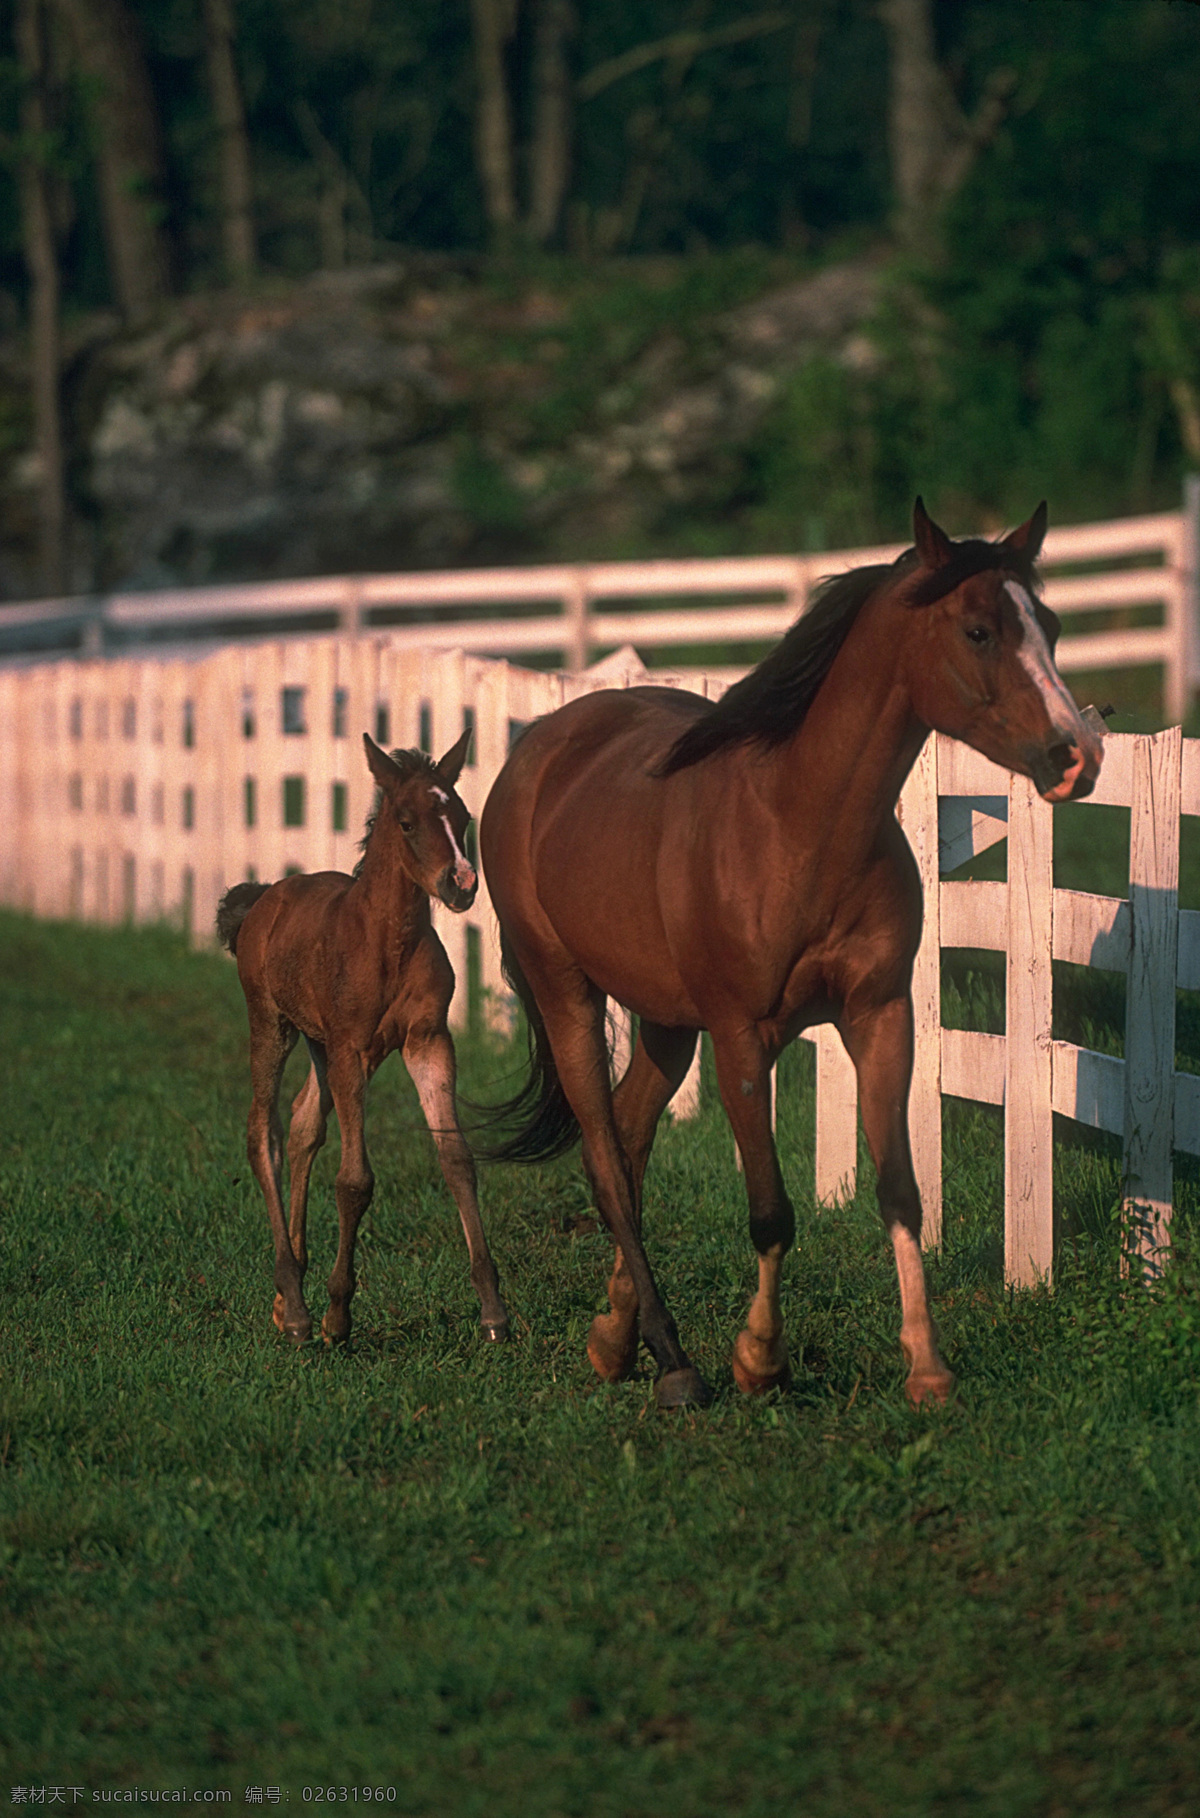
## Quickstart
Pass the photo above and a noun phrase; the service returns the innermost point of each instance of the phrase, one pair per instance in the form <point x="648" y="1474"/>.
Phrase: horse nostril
<point x="458" y="886"/>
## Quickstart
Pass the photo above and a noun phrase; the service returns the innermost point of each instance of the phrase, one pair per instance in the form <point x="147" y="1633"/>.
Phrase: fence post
<point x="1188" y="635"/>
<point x="576" y="604"/>
<point x="352" y="615"/>
<point x="1028" y="1118"/>
<point x="686" y="1102"/>
<point x="837" y="1119"/>
<point x="491" y="739"/>
<point x="919" y="818"/>
<point x="1150" y="999"/>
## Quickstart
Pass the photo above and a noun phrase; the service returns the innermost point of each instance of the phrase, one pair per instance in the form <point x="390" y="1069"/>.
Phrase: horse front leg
<point x="880" y="1043"/>
<point x="661" y="1058"/>
<point x="760" y="1355"/>
<point x="353" y="1188"/>
<point x="431" y="1065"/>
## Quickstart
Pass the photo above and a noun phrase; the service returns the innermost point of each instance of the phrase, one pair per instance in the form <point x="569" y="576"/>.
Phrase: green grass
<point x="473" y="1574"/>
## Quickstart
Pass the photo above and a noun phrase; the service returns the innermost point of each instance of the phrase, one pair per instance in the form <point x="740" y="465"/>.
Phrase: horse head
<point x="419" y="803"/>
<point x="982" y="665"/>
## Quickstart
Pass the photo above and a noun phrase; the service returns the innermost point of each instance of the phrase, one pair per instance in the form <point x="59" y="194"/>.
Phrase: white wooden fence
<point x="137" y="788"/>
<point x="1108" y="572"/>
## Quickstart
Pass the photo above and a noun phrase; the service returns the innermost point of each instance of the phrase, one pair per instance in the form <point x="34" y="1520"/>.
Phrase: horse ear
<point x="449" y="767"/>
<point x="933" y="545"/>
<point x="382" y="767"/>
<point x="1026" y="540"/>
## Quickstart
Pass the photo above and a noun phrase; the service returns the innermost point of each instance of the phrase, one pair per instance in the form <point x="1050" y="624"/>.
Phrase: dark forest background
<point x="591" y="190"/>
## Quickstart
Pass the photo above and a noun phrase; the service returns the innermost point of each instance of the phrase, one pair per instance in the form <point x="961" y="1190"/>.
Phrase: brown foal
<point x="738" y="868"/>
<point x="353" y="965"/>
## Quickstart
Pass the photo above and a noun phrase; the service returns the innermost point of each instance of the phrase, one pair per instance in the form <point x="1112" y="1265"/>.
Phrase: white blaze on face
<point x="1033" y="653"/>
<point x="462" y="863"/>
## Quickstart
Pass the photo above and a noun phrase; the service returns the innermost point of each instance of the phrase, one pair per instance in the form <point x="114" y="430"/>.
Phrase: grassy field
<point x="477" y="1577"/>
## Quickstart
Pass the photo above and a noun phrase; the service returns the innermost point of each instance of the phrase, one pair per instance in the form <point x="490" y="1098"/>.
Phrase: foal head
<point x="982" y="657"/>
<point x="425" y="820"/>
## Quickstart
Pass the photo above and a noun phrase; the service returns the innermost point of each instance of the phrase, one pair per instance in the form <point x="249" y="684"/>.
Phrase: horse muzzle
<point x="1066" y="772"/>
<point x="457" y="887"/>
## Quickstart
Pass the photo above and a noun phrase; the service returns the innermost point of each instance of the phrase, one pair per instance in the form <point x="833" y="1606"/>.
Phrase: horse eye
<point x="979" y="634"/>
<point x="407" y="826"/>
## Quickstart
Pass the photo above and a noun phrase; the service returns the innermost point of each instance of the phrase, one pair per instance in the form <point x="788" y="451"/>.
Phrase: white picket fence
<point x="1099" y="577"/>
<point x="138" y="788"/>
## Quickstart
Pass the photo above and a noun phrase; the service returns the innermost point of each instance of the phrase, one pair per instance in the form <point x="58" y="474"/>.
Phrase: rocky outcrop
<point x="412" y="415"/>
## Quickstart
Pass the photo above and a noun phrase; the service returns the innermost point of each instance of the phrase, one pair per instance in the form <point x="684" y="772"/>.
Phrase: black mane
<point x="767" y="706"/>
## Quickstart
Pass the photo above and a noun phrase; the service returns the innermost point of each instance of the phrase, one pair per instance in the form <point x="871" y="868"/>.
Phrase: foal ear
<point x="382" y="767"/>
<point x="1026" y="540"/>
<point x="449" y="767"/>
<point x="933" y="545"/>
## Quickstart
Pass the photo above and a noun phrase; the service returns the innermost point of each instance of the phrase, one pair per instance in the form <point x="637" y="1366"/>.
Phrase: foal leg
<point x="353" y="1188"/>
<point x="429" y="1057"/>
<point x="760" y="1356"/>
<point x="306" y="1135"/>
<point x="272" y="1039"/>
<point x="661" y="1058"/>
<point x="880" y="1045"/>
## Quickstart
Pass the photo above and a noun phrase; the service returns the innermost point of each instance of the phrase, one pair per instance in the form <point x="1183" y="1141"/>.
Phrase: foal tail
<point x="233" y="909"/>
<point x="547" y="1125"/>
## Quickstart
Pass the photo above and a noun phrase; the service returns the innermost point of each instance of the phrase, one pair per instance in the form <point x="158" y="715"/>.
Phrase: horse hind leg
<point x="431" y="1065"/>
<point x="272" y="1039"/>
<point x="880" y="1045"/>
<point x="661" y="1058"/>
<point x="574" y="1023"/>
<point x="760" y="1355"/>
<point x="306" y="1136"/>
<point x="353" y="1188"/>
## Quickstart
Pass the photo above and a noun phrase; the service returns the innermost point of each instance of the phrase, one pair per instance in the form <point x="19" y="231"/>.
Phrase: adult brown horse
<point x="738" y="868"/>
<point x="354" y="965"/>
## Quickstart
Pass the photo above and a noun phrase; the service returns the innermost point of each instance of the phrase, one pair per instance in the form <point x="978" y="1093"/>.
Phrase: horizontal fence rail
<point x="136" y="788"/>
<point x="569" y="612"/>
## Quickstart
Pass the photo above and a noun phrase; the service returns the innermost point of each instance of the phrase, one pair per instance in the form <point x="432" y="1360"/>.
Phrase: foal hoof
<point x="495" y="1330"/>
<point x="929" y="1385"/>
<point x="612" y="1360"/>
<point x="684" y="1388"/>
<point x="298" y="1330"/>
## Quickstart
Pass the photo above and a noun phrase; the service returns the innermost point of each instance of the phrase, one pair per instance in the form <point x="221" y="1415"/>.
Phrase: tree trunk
<point x="237" y="217"/>
<point x="42" y="259"/>
<point x="129" y="157"/>
<point x="550" y="148"/>
<point x="492" y="26"/>
<point x="933" y="144"/>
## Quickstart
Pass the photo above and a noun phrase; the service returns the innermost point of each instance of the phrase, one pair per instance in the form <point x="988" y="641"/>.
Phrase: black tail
<point x="233" y="909"/>
<point x="547" y="1125"/>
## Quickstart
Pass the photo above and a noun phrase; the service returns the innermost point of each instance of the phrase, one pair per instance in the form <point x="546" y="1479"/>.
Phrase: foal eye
<point x="979" y="634"/>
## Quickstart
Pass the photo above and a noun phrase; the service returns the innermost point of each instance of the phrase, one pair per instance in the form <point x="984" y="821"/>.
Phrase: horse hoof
<point x="611" y="1362"/>
<point x="495" y="1330"/>
<point x="750" y="1382"/>
<point x="333" y="1337"/>
<point x="929" y="1385"/>
<point x="758" y="1366"/>
<point x="684" y="1388"/>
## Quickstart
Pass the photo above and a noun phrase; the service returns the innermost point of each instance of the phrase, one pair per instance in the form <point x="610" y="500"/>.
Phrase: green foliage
<point x="472" y="1573"/>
